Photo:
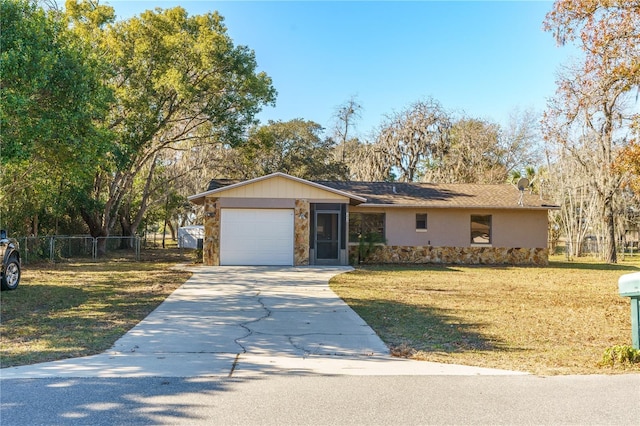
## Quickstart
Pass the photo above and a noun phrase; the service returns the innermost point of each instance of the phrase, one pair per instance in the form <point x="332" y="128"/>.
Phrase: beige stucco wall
<point x="280" y="187"/>
<point x="451" y="227"/>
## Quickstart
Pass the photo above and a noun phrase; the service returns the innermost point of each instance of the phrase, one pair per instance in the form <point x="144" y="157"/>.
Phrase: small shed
<point x="188" y="236"/>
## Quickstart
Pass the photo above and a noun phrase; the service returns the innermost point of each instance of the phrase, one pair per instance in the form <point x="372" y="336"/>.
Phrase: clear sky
<point x="481" y="58"/>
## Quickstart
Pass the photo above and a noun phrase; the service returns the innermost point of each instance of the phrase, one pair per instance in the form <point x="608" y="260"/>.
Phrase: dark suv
<point x="10" y="255"/>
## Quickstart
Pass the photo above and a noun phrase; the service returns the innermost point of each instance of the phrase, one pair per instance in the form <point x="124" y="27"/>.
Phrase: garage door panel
<point x="256" y="237"/>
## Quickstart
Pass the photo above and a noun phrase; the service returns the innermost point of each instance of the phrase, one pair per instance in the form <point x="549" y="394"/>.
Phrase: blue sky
<point x="481" y="58"/>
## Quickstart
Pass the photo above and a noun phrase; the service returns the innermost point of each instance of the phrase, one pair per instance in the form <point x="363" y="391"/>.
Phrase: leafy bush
<point x="620" y="355"/>
<point x="368" y="244"/>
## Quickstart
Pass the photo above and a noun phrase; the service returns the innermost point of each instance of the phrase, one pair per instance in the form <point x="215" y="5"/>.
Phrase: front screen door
<point x="327" y="237"/>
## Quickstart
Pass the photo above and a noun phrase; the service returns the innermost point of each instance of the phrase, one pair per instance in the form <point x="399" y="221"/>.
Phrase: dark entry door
<point x="327" y="248"/>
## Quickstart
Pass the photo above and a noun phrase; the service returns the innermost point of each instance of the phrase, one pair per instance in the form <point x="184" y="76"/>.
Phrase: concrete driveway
<point x="244" y="321"/>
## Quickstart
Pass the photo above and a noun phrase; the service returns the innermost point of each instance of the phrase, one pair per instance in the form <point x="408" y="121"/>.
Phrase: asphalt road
<point x="321" y="400"/>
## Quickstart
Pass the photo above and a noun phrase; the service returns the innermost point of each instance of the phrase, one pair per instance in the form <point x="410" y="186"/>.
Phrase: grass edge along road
<point x="80" y="308"/>
<point x="546" y="320"/>
<point x="557" y="319"/>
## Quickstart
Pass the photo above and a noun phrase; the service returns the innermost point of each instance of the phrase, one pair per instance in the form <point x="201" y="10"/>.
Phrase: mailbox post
<point x="629" y="286"/>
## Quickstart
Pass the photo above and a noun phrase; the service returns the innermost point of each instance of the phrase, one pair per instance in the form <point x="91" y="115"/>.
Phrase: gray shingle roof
<point x="439" y="195"/>
<point x="219" y="183"/>
<point x="432" y="195"/>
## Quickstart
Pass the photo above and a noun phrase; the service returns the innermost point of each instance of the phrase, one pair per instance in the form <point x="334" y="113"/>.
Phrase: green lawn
<point x="80" y="308"/>
<point x="546" y="320"/>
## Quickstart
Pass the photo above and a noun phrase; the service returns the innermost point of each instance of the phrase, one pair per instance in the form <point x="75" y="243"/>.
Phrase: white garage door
<point x="256" y="237"/>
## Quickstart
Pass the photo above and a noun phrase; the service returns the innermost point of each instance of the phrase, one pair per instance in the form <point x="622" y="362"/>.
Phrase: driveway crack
<point x="246" y="324"/>
<point x="305" y="352"/>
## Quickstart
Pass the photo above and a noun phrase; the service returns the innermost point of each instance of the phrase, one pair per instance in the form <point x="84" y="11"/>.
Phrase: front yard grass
<point x="79" y="308"/>
<point x="549" y="320"/>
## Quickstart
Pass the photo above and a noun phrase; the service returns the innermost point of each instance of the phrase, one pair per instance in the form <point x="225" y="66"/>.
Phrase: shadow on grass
<point x="116" y="257"/>
<point x="63" y="321"/>
<point x="401" y="267"/>
<point x="553" y="264"/>
<point x="31" y="316"/>
<point x="34" y="300"/>
<point x="587" y="266"/>
<point x="88" y="265"/>
<point x="405" y="327"/>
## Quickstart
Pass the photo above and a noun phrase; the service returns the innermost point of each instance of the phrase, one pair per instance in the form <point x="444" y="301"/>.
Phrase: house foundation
<point x="454" y="255"/>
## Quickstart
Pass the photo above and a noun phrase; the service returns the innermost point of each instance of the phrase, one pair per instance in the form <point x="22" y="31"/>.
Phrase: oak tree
<point x="417" y="135"/>
<point x="175" y="77"/>
<point x="295" y="147"/>
<point x="590" y="116"/>
<point x="52" y="105"/>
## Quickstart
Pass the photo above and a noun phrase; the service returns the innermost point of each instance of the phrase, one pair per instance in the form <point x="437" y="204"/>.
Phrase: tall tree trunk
<point x="610" y="253"/>
<point x="126" y="242"/>
<point x="128" y="223"/>
<point x="172" y="229"/>
<point x="97" y="230"/>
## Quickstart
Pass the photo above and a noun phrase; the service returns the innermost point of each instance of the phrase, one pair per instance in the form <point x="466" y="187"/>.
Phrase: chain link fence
<point x="58" y="247"/>
<point x="591" y="246"/>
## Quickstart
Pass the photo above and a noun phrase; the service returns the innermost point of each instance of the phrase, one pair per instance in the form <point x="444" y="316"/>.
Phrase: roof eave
<point x="199" y="198"/>
<point x="442" y="206"/>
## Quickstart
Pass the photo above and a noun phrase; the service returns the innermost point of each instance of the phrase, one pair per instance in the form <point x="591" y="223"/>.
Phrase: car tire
<point x="11" y="277"/>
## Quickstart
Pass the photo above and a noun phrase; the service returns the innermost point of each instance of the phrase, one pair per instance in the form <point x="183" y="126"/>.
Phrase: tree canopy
<point x="112" y="104"/>
<point x="51" y="94"/>
<point x="175" y="78"/>
<point x="294" y="147"/>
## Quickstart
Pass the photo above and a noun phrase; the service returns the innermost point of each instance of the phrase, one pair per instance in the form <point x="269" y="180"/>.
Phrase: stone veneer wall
<point x="301" y="233"/>
<point x="211" y="244"/>
<point x="456" y="255"/>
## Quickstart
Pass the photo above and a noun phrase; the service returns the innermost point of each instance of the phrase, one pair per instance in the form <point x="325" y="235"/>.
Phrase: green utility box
<point x="629" y="286"/>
